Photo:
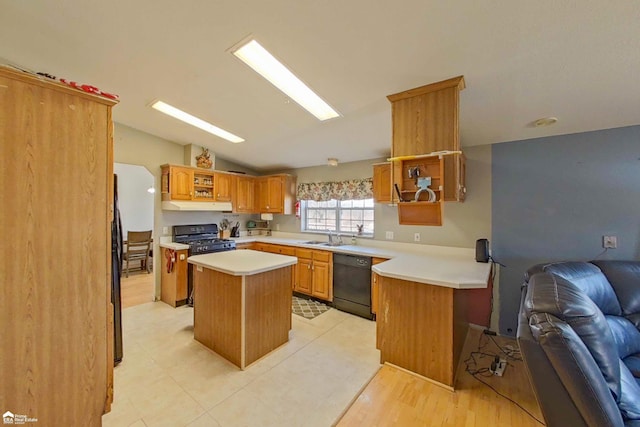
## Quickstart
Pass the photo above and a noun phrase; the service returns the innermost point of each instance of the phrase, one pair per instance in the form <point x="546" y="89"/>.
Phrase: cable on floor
<point x="471" y="367"/>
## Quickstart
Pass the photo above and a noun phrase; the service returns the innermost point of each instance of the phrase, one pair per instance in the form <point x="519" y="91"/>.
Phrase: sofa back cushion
<point x="590" y="280"/>
<point x="624" y="277"/>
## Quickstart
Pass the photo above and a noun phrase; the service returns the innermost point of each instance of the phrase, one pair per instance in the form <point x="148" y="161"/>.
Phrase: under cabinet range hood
<point x="174" y="205"/>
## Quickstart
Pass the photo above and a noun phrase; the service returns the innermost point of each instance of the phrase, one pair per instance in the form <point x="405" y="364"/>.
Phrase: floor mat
<point x="308" y="309"/>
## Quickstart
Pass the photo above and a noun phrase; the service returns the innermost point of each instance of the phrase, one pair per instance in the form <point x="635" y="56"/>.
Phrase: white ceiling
<point x="578" y="60"/>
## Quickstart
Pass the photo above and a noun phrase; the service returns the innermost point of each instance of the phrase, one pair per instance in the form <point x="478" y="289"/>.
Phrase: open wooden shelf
<point x="420" y="213"/>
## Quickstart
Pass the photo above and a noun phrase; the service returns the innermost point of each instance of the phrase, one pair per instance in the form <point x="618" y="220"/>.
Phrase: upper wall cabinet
<point x="382" y="182"/>
<point x="245" y="195"/>
<point x="195" y="184"/>
<point x="276" y="194"/>
<point x="425" y="120"/>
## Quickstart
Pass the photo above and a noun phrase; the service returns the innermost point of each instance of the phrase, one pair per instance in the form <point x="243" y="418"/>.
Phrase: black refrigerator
<point x="116" y="272"/>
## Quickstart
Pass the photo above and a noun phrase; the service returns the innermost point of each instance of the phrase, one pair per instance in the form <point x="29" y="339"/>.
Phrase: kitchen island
<point x="242" y="303"/>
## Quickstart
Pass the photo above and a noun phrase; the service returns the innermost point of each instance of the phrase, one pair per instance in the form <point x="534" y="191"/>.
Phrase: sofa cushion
<point x="590" y="279"/>
<point x="550" y="295"/>
<point x="629" y="402"/>
<point x="624" y="277"/>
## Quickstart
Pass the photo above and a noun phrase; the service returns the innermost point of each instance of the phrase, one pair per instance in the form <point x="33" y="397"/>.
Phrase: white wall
<point x="134" y="201"/>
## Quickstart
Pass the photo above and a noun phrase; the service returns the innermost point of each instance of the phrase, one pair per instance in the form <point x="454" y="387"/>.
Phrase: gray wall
<point x="554" y="198"/>
<point x="463" y="223"/>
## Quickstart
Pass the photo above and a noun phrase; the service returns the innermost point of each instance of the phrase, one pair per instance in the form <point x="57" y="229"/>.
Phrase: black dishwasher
<point x="352" y="284"/>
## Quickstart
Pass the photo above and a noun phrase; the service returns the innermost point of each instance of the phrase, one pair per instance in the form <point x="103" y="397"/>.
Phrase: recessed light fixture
<point x="265" y="64"/>
<point x="194" y="121"/>
<point x="151" y="190"/>
<point x="332" y="161"/>
<point x="545" y="121"/>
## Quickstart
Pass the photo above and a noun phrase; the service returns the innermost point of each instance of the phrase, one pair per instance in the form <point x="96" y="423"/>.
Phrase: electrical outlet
<point x="416" y="237"/>
<point x="165" y="230"/>
<point x="277" y="227"/>
<point x="389" y="235"/>
<point x="609" y="242"/>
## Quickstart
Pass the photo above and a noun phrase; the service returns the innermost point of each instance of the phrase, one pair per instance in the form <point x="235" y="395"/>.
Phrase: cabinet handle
<point x="308" y="266"/>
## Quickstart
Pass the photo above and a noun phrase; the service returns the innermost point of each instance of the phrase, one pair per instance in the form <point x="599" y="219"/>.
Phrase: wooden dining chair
<point x="138" y="248"/>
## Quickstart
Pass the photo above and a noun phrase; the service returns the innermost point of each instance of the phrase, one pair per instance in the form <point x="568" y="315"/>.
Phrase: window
<point x="340" y="216"/>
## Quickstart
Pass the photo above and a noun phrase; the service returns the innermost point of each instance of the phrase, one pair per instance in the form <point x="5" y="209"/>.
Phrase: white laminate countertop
<point x="174" y="246"/>
<point x="242" y="263"/>
<point x="435" y="265"/>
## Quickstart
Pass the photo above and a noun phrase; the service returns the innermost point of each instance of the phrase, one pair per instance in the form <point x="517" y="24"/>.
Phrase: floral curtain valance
<point x="354" y="189"/>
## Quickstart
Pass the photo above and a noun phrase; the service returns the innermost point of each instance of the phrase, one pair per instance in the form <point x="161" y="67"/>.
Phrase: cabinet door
<point x="304" y="276"/>
<point x="382" y="183"/>
<point x="181" y="183"/>
<point x="223" y="187"/>
<point x="321" y="271"/>
<point x="245" y="195"/>
<point x="275" y="194"/>
<point x="374" y="292"/>
<point x="262" y="194"/>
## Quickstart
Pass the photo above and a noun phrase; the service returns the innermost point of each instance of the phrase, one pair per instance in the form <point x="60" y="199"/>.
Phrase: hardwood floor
<point x="397" y="398"/>
<point x="136" y="289"/>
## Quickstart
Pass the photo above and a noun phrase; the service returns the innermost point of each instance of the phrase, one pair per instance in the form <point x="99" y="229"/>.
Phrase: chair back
<point x="138" y="244"/>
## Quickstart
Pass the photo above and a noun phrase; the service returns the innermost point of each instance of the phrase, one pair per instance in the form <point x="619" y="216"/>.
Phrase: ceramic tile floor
<point x="169" y="379"/>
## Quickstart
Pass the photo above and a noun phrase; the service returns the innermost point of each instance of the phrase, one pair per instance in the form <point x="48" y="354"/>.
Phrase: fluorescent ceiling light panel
<point x="263" y="63"/>
<point x="194" y="121"/>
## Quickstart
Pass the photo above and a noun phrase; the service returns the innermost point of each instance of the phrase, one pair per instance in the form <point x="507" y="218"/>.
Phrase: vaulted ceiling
<point x="577" y="60"/>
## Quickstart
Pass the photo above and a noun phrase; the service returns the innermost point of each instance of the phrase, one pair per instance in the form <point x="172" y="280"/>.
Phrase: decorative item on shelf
<point x="204" y="159"/>
<point x="360" y="229"/>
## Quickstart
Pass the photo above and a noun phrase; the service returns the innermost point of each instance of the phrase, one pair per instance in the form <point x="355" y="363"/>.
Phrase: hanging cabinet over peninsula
<point x="426" y="120"/>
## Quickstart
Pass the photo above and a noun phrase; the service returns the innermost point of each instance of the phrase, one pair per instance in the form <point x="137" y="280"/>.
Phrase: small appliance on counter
<point x="258" y="228"/>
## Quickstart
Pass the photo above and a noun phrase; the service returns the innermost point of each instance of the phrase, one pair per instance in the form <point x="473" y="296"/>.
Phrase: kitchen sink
<point x="313" y="242"/>
<point x="333" y="244"/>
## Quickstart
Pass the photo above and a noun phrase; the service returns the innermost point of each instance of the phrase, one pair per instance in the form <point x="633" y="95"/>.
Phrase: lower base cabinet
<point x="173" y="280"/>
<point x="314" y="275"/>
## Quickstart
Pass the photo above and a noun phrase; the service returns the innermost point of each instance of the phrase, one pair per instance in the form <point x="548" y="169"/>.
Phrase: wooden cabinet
<point x="276" y="194"/>
<point x="304" y="277"/>
<point x="223" y="187"/>
<point x="382" y="192"/>
<point x="375" y="285"/>
<point x="245" y="195"/>
<point x="322" y="280"/>
<point x="314" y="274"/>
<point x="203" y="185"/>
<point x="174" y="282"/>
<point x="425" y="120"/>
<point x="56" y="158"/>
<point x="240" y="246"/>
<point x="180" y="183"/>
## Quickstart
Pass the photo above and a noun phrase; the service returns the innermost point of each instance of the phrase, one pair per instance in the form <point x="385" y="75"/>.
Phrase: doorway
<point x="136" y="194"/>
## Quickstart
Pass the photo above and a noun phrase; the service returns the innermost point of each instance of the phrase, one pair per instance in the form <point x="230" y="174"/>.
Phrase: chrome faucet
<point x="330" y="236"/>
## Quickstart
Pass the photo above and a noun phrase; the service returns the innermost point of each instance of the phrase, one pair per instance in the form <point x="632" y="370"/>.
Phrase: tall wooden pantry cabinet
<point x="56" y="188"/>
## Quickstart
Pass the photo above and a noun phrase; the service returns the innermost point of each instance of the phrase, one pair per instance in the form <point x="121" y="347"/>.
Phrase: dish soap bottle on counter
<point x="353" y="240"/>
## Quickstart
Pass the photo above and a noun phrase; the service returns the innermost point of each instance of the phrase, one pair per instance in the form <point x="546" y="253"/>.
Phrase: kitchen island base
<point x="242" y="318"/>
